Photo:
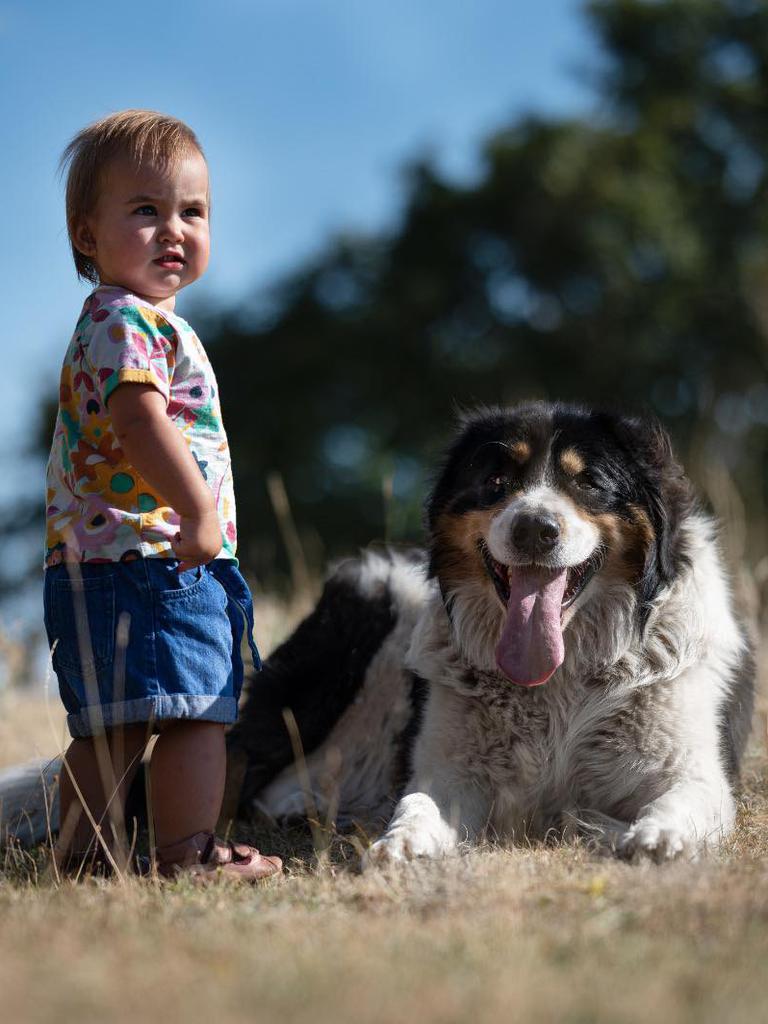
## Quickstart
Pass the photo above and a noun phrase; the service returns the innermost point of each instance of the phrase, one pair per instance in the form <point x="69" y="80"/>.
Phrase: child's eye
<point x="193" y="211"/>
<point x="147" y="210"/>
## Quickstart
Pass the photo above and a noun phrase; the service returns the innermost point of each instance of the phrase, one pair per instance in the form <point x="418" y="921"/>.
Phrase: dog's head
<point x="538" y="505"/>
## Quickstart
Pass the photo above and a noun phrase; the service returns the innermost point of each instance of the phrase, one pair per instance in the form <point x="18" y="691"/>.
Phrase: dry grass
<point x="30" y="727"/>
<point x="533" y="934"/>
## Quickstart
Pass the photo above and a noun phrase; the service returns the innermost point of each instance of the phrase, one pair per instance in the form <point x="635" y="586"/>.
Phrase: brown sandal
<point x="205" y="857"/>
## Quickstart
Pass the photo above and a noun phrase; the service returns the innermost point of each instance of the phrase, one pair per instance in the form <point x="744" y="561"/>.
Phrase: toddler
<point x="145" y="607"/>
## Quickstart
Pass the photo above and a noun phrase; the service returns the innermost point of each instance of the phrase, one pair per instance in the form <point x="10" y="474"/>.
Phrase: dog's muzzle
<point x="535" y="534"/>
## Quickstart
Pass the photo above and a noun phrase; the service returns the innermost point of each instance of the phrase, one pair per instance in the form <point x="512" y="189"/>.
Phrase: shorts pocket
<point x="169" y="584"/>
<point x="82" y="623"/>
<point x="193" y="638"/>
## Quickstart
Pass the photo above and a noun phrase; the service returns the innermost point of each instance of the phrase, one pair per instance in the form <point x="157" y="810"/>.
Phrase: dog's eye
<point x="497" y="484"/>
<point x="585" y="482"/>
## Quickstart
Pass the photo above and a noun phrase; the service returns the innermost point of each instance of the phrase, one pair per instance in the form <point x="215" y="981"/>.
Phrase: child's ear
<point x="83" y="238"/>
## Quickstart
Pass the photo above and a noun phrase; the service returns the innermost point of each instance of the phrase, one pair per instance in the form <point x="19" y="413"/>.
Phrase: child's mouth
<point x="170" y="262"/>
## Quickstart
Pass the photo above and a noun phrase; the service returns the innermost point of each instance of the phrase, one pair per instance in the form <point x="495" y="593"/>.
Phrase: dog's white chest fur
<point x="542" y="752"/>
<point x="631" y="755"/>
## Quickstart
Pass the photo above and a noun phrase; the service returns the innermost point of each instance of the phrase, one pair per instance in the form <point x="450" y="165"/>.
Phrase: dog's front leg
<point x="697" y="810"/>
<point x="445" y="804"/>
<point x="430" y="822"/>
<point x="694" y="806"/>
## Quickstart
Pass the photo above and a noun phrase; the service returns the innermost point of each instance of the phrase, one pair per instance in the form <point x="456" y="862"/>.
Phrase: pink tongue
<point x="531" y="644"/>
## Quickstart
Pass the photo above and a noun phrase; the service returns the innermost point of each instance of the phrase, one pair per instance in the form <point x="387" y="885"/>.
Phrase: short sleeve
<point x="132" y="345"/>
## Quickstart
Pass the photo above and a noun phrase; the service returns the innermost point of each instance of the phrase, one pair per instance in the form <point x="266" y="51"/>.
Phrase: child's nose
<point x="172" y="229"/>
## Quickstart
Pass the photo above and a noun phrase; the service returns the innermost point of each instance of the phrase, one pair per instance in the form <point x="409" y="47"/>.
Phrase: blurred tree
<point x="620" y="259"/>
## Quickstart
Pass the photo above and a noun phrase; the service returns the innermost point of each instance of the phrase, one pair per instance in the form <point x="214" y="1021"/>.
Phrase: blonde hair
<point x="144" y="136"/>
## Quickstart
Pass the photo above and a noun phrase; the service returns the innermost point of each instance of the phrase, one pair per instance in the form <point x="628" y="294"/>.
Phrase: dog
<point x="564" y="657"/>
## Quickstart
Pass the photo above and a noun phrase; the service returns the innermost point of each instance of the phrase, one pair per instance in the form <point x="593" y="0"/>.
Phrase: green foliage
<point x="620" y="259"/>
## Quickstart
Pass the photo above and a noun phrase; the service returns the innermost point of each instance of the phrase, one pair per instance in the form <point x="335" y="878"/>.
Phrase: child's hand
<point x="198" y="540"/>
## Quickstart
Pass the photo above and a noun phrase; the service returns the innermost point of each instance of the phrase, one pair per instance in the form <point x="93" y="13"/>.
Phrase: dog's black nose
<point x="535" y="533"/>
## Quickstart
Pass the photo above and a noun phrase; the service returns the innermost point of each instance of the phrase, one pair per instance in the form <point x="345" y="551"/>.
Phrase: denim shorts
<point x="141" y="642"/>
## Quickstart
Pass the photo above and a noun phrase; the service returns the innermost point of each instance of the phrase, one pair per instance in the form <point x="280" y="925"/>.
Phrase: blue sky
<point x="307" y="110"/>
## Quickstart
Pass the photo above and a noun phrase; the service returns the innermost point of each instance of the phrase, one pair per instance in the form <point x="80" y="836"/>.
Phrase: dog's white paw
<point x="408" y="842"/>
<point x="656" y="841"/>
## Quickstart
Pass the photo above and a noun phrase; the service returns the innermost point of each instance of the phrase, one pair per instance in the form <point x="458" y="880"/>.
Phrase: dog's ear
<point x="664" y="493"/>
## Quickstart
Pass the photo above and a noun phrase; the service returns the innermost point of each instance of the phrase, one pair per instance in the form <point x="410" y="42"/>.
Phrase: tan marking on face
<point x="642" y="524"/>
<point x="626" y="543"/>
<point x="572" y="462"/>
<point x="520" y="451"/>
<point x="458" y="560"/>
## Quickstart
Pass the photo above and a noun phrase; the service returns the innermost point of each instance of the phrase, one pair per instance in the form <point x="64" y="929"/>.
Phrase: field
<point x="540" y="933"/>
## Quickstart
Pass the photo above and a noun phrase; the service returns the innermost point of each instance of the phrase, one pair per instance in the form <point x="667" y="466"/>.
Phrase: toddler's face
<point x="149" y="232"/>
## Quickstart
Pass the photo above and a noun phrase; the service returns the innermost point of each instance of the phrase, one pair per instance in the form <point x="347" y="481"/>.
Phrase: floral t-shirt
<point x="98" y="507"/>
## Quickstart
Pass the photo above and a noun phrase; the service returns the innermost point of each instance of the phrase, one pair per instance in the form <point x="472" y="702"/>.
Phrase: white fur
<point x="29" y="801"/>
<point x="579" y="535"/>
<point x="625" y="731"/>
<point x="418" y="829"/>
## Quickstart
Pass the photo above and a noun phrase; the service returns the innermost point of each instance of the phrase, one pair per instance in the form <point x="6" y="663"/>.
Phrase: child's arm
<point x="159" y="452"/>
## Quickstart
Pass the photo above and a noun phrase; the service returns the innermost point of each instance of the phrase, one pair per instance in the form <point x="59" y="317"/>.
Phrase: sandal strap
<point x="195" y="849"/>
<point x="205" y="848"/>
<point x="224" y="851"/>
<point x="243" y="854"/>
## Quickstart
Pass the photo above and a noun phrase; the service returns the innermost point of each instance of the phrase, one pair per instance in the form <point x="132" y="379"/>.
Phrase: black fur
<point x="316" y="673"/>
<point x="664" y="493"/>
<point x="629" y="464"/>
<point x="407" y="738"/>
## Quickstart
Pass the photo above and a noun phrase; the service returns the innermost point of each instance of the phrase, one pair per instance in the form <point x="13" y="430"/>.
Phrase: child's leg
<point x="103" y="769"/>
<point x="187" y="773"/>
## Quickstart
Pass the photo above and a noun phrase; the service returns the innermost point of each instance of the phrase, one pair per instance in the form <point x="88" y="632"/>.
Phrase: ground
<point x="535" y="934"/>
